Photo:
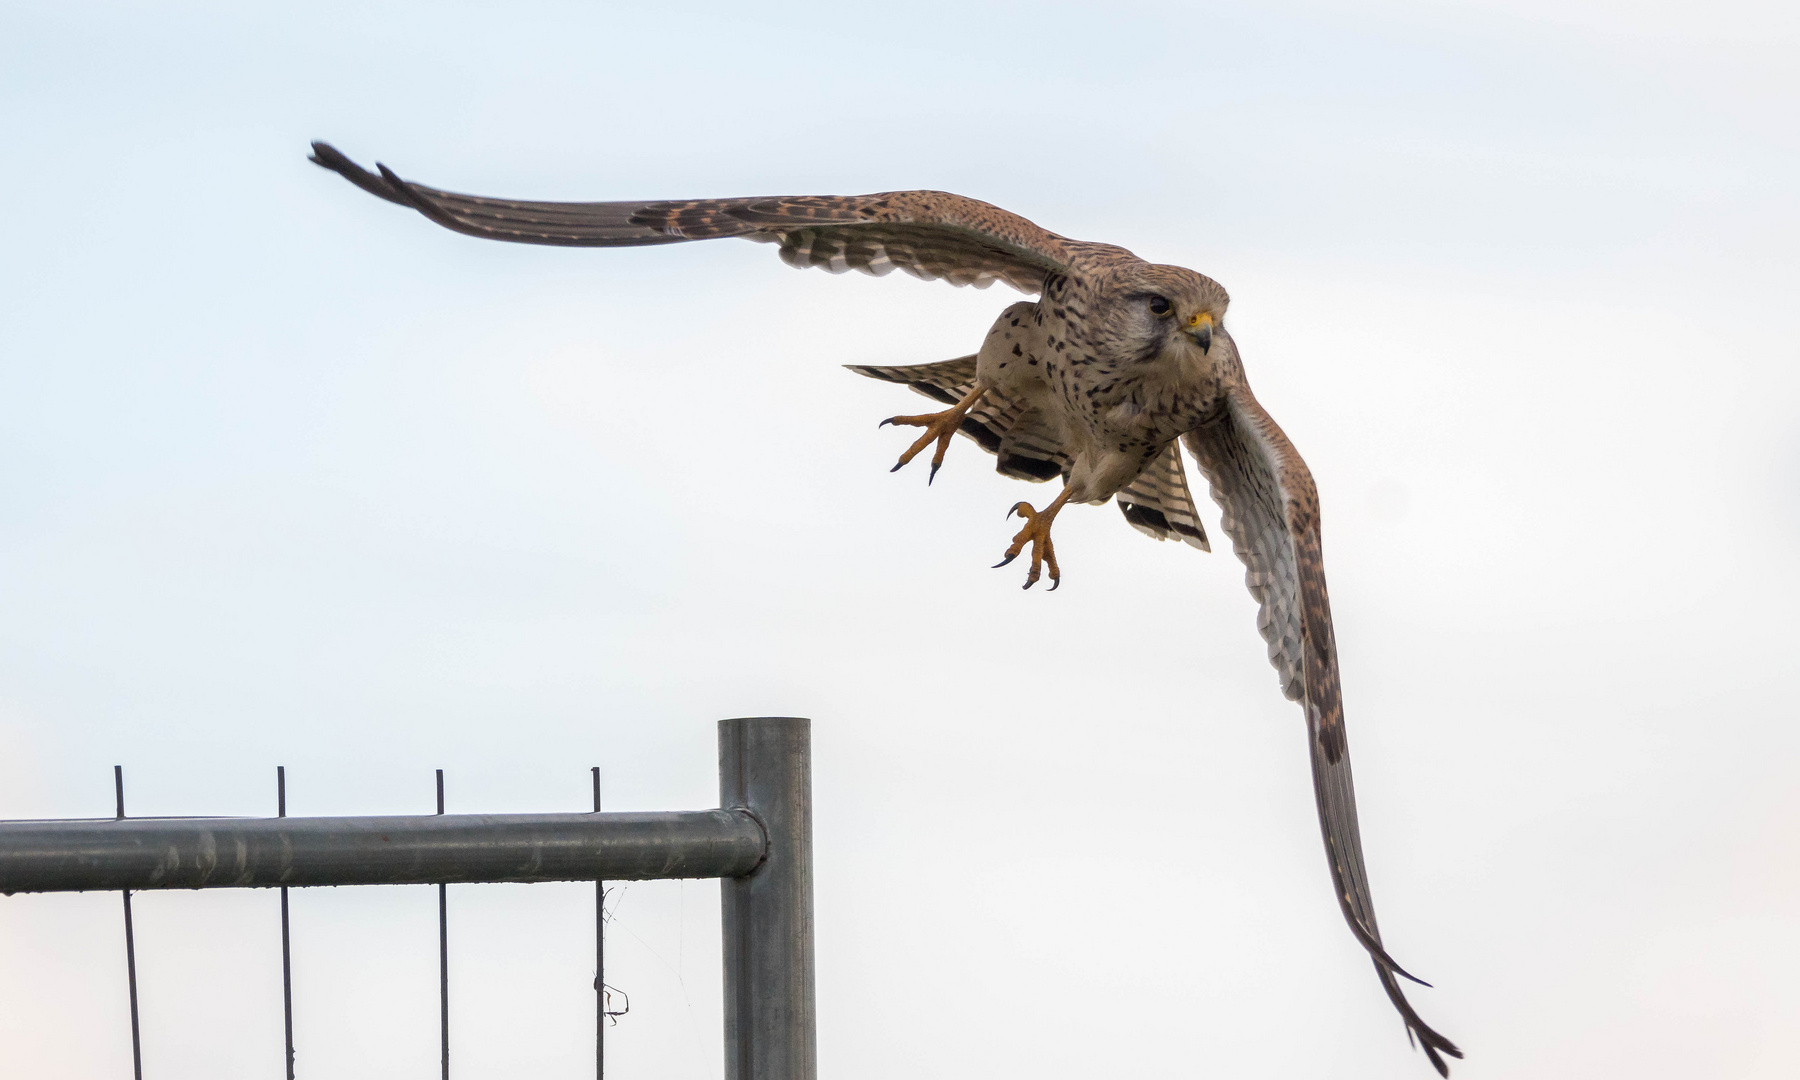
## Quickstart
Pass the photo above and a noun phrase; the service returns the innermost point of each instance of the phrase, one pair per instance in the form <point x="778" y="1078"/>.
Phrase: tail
<point x="948" y="381"/>
<point x="1159" y="504"/>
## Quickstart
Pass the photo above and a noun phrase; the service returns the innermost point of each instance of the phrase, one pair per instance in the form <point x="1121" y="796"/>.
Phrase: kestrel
<point x="1094" y="382"/>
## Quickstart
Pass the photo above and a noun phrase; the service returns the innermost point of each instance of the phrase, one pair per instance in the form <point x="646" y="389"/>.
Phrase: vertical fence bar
<point x="137" y="1051"/>
<point x="770" y="1019"/>
<point x="443" y="950"/>
<point x="600" y="962"/>
<point x="287" y="968"/>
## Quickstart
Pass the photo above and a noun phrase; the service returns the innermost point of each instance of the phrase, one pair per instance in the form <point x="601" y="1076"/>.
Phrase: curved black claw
<point x="1006" y="560"/>
<point x="913" y="451"/>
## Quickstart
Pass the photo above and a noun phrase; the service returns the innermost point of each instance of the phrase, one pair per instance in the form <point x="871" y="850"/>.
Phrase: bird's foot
<point x="1036" y="533"/>
<point x="939" y="427"/>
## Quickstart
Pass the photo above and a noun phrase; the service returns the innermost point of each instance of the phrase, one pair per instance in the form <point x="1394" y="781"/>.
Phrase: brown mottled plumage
<point x="1095" y="382"/>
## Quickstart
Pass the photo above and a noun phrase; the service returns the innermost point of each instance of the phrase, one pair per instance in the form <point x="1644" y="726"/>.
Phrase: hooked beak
<point x="1200" y="328"/>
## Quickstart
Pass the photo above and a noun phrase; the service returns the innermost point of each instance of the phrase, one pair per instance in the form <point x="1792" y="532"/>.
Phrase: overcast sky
<point x="289" y="475"/>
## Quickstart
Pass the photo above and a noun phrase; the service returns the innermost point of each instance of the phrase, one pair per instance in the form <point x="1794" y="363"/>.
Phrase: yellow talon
<point x="1037" y="533"/>
<point x="939" y="427"/>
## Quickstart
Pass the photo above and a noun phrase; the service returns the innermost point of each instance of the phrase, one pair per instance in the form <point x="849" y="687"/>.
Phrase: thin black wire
<point x="599" y="960"/>
<point x="137" y="1052"/>
<point x="444" y="947"/>
<point x="287" y="969"/>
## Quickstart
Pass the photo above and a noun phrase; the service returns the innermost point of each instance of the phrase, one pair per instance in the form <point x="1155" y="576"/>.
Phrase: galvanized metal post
<point x="237" y="853"/>
<point x="770" y="1025"/>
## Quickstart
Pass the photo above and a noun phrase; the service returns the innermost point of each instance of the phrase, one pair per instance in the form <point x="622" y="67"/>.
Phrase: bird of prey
<point x="1094" y="382"/>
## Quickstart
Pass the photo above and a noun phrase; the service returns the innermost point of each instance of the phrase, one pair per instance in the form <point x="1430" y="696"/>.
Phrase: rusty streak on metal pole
<point x="444" y="948"/>
<point x="287" y="968"/>
<point x="137" y="1052"/>
<point x="599" y="960"/>
<point x="770" y="1020"/>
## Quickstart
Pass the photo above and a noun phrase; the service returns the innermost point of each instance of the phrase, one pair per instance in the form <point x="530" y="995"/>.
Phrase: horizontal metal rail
<point x="212" y="853"/>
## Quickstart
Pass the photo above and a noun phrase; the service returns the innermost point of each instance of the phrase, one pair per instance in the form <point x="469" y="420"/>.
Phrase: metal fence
<point x="759" y="842"/>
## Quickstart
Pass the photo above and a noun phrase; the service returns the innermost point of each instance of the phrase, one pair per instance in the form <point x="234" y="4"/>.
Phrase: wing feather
<point x="930" y="234"/>
<point x="1270" y="509"/>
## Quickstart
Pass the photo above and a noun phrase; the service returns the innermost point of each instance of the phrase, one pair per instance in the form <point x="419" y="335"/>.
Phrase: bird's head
<point x="1167" y="312"/>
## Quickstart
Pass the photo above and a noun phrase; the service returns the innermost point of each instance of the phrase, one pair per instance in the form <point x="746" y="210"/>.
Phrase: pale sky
<point x="289" y="475"/>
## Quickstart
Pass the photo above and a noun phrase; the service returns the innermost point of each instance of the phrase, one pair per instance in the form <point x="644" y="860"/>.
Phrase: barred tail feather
<point x="1159" y="504"/>
<point x="948" y="381"/>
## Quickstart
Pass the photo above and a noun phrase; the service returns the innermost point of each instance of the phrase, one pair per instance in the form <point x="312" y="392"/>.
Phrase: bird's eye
<point x="1160" y="307"/>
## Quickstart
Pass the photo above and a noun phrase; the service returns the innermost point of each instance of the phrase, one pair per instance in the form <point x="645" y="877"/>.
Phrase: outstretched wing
<point x="929" y="234"/>
<point x="1270" y="510"/>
